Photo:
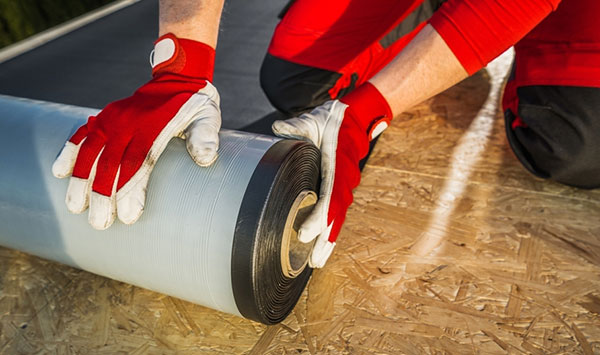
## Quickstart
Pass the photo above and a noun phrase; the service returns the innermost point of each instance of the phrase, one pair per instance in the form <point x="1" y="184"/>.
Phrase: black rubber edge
<point x="261" y="291"/>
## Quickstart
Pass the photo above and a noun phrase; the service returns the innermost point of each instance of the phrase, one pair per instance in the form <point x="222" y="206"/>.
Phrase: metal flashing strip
<point x="48" y="35"/>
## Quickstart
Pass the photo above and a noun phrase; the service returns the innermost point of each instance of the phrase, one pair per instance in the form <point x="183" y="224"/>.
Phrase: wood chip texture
<point x="515" y="267"/>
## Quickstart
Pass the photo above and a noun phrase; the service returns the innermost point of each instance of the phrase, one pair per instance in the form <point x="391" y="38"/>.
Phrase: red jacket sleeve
<point x="477" y="31"/>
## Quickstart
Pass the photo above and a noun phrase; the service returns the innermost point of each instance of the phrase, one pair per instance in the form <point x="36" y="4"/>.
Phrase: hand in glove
<point x="342" y="129"/>
<point x="111" y="157"/>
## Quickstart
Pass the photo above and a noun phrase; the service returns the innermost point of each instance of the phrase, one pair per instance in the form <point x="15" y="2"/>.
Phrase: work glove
<point x="342" y="129"/>
<point x="110" y="158"/>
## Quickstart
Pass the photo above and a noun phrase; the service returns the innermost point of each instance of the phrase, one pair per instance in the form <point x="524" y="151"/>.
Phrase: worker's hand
<point x="342" y="130"/>
<point x="111" y="157"/>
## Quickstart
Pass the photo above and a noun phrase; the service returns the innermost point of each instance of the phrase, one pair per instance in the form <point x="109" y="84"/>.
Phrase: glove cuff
<point x="183" y="57"/>
<point x="370" y="109"/>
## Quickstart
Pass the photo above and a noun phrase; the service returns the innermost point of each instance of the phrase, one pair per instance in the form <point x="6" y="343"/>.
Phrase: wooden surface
<point x="514" y="266"/>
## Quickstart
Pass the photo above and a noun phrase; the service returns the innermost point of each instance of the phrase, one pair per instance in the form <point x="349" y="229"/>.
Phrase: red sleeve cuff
<point x="477" y="31"/>
<point x="369" y="105"/>
<point x="458" y="43"/>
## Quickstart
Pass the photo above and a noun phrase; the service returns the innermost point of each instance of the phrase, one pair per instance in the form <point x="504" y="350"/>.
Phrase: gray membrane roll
<point x="211" y="236"/>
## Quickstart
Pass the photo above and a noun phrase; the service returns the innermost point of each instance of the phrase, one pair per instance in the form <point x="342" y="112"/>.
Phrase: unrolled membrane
<point x="211" y="236"/>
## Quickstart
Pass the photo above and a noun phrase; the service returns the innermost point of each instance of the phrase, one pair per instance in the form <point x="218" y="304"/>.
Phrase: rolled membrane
<point x="221" y="236"/>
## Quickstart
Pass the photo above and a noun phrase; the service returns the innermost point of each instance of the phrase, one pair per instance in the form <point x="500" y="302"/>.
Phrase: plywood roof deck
<point x="515" y="267"/>
<point x="451" y="246"/>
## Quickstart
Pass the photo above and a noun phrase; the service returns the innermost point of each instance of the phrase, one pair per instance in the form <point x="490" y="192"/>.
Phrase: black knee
<point x="293" y="88"/>
<point x="559" y="137"/>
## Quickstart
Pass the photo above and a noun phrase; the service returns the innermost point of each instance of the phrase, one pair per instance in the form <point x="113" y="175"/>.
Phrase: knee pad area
<point x="557" y="143"/>
<point x="293" y="88"/>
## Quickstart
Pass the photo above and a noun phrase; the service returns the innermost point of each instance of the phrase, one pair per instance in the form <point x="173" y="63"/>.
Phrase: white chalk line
<point x="465" y="156"/>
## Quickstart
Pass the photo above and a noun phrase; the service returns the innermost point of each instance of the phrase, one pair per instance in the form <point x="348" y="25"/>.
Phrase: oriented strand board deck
<point x="450" y="247"/>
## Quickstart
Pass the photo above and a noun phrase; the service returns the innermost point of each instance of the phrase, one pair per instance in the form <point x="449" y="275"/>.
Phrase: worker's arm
<point x="193" y="19"/>
<point x="110" y="158"/>
<point x="462" y="37"/>
<point x="423" y="69"/>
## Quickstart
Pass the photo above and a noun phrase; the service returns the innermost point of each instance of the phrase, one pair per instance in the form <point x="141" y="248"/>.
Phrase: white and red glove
<point x="111" y="157"/>
<point x="342" y="129"/>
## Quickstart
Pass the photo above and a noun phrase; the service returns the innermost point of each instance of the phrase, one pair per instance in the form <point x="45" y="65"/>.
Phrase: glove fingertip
<point x="102" y="211"/>
<point x="59" y="171"/>
<point x="280" y="127"/>
<point x="77" y="195"/>
<point x="63" y="165"/>
<point x="129" y="213"/>
<point x="321" y="253"/>
<point x="202" y="147"/>
<point x="307" y="234"/>
<point x="205" y="157"/>
<point x="131" y="202"/>
<point x="285" y="129"/>
<point x="314" y="225"/>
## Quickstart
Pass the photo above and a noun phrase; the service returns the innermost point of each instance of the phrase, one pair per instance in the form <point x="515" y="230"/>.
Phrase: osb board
<point x="515" y="267"/>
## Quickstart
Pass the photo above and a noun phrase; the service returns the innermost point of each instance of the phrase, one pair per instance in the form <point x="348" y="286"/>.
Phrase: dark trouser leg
<point x="559" y="137"/>
<point x="294" y="88"/>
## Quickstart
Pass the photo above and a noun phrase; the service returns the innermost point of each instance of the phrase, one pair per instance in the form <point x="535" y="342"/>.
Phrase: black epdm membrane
<point x="108" y="59"/>
<point x="262" y="292"/>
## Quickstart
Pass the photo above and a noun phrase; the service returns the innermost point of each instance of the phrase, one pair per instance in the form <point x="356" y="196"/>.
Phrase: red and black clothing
<point x="321" y="50"/>
<point x="345" y="41"/>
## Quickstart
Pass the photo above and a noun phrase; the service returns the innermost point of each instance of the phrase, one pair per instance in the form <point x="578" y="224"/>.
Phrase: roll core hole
<point x="294" y="253"/>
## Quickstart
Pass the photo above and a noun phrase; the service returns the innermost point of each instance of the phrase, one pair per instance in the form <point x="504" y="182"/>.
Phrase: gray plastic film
<point x="182" y="244"/>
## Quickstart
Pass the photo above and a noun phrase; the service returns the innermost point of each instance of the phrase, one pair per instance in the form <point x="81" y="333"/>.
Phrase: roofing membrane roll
<point x="212" y="236"/>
